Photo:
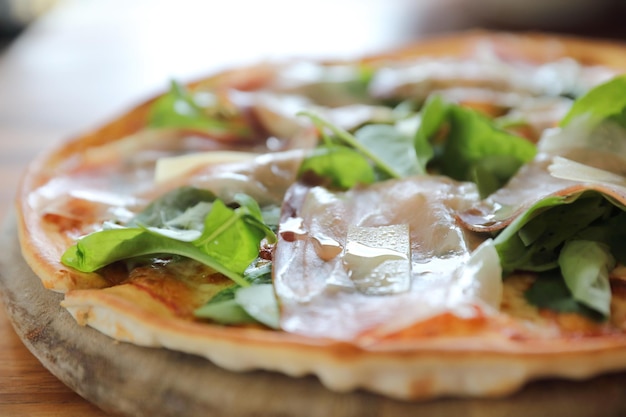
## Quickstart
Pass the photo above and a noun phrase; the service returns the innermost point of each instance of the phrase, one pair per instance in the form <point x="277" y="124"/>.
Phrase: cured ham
<point x="320" y="295"/>
<point x="564" y="171"/>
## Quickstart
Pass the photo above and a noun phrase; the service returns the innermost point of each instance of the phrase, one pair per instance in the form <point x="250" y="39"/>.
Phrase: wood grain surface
<point x="29" y="389"/>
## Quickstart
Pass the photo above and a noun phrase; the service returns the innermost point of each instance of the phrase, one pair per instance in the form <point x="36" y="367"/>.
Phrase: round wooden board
<point x="134" y="381"/>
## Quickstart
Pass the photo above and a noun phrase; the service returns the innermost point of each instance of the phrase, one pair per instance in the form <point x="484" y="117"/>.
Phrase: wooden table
<point x="87" y="61"/>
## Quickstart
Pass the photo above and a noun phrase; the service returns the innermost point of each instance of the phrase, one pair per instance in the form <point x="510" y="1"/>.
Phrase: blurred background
<point x="72" y="51"/>
<point x="590" y="17"/>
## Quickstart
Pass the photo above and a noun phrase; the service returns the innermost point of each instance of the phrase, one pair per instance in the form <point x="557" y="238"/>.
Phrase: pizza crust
<point x="480" y="365"/>
<point x="483" y="362"/>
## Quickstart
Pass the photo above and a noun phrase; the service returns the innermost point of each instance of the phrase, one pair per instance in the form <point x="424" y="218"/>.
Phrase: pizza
<point x="447" y="219"/>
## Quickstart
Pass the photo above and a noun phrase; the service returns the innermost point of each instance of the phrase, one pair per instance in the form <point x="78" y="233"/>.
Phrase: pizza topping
<point x="585" y="266"/>
<point x="595" y="122"/>
<point x="87" y="201"/>
<point x="330" y="85"/>
<point x="325" y="247"/>
<point x="225" y="239"/>
<point x="200" y="111"/>
<point x="594" y="138"/>
<point x="137" y="150"/>
<point x="176" y="166"/>
<point x="417" y="80"/>
<point x="539" y="239"/>
<point x="352" y="294"/>
<point x="349" y="264"/>
<point x="387" y="153"/>
<point x="567" y="169"/>
<point x="532" y="116"/>
<point x="259" y="302"/>
<point x="378" y="259"/>
<point x="472" y="147"/>
<point x="291" y="229"/>
<point x="237" y="304"/>
<point x="606" y="101"/>
<point x="265" y="177"/>
<point x="565" y="211"/>
<point x="550" y="293"/>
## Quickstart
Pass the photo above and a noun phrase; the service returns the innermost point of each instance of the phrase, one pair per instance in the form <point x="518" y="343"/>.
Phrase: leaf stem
<point x="353" y="142"/>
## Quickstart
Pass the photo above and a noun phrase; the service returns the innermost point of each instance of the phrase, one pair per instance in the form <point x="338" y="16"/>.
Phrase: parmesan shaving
<point x="480" y="279"/>
<point x="567" y="169"/>
<point x="178" y="166"/>
<point x="378" y="259"/>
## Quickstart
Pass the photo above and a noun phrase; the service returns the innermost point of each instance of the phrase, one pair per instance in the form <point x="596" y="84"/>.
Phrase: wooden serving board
<point x="134" y="381"/>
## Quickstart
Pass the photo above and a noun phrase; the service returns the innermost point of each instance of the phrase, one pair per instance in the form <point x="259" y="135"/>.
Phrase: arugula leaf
<point x="392" y="146"/>
<point x="472" y="149"/>
<point x="180" y="109"/>
<point x="611" y="232"/>
<point x="259" y="301"/>
<point x="254" y="275"/>
<point x="227" y="312"/>
<point x="227" y="238"/>
<point x="228" y="242"/>
<point x="226" y="306"/>
<point x="581" y="235"/>
<point x="585" y="266"/>
<point x="493" y="172"/>
<point x="171" y="207"/>
<point x="252" y="304"/>
<point x="232" y="236"/>
<point x="102" y="248"/>
<point x="470" y="145"/>
<point x="271" y="216"/>
<point x="347" y="139"/>
<point x="533" y="241"/>
<point x="550" y="291"/>
<point x="343" y="166"/>
<point x="253" y="215"/>
<point x="259" y="274"/>
<point x="605" y="101"/>
<point x="373" y="152"/>
<point x="433" y="116"/>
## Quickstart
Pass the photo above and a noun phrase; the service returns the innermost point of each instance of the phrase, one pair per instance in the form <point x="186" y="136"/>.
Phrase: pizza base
<point x="468" y="362"/>
<point x="478" y="366"/>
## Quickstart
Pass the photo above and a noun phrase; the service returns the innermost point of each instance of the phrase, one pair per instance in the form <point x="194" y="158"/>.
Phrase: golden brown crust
<point x="442" y="356"/>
